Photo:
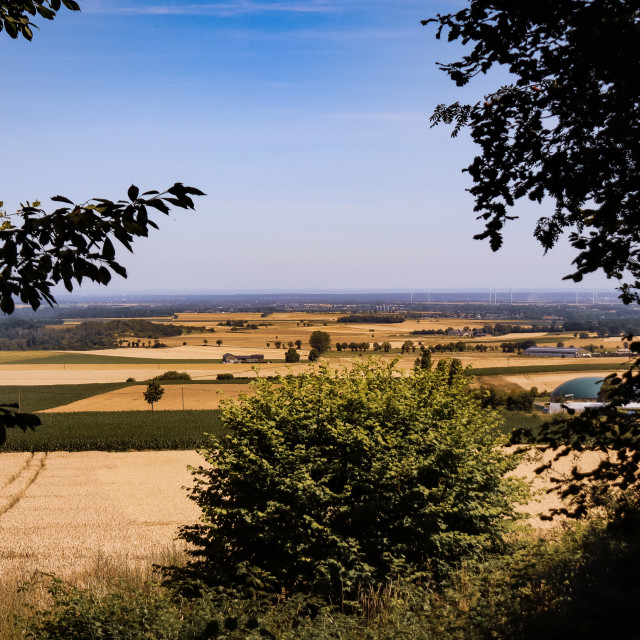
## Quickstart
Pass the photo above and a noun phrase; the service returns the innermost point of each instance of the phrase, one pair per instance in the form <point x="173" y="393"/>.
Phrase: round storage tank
<point x="579" y="389"/>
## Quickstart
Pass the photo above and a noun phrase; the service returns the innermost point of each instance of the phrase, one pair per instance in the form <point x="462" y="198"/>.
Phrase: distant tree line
<point x="373" y="318"/>
<point x="518" y="345"/>
<point x="97" y="311"/>
<point x="498" y="329"/>
<point x="241" y="324"/>
<point x="605" y="328"/>
<point x="353" y="346"/>
<point x="26" y="335"/>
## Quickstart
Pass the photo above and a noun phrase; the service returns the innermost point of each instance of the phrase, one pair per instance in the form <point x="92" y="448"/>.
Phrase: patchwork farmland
<point x="99" y="490"/>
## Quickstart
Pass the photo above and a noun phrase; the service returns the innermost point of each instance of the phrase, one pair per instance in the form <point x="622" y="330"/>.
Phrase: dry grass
<point x="98" y="574"/>
<point x="549" y="381"/>
<point x="11" y="357"/>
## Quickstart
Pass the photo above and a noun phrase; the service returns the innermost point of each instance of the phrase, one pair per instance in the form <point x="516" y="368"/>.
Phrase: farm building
<point x="558" y="352"/>
<point x="229" y="358"/>
<point x="585" y="389"/>
<point x="577" y="394"/>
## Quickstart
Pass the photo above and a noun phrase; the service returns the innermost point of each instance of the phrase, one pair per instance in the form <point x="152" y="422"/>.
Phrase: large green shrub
<point x="173" y="375"/>
<point x="332" y="482"/>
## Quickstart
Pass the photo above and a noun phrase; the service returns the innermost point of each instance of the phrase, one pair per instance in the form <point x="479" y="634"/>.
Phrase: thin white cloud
<point x="391" y="116"/>
<point x="220" y="9"/>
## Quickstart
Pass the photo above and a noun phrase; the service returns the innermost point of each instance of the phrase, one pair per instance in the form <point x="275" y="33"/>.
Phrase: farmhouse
<point x="558" y="352"/>
<point x="229" y="358"/>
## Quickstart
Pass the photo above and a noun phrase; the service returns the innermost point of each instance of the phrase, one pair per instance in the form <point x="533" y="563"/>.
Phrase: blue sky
<point x="306" y="123"/>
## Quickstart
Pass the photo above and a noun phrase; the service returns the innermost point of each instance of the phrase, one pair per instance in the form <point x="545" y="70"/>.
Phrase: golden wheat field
<point x="62" y="512"/>
<point x="66" y="512"/>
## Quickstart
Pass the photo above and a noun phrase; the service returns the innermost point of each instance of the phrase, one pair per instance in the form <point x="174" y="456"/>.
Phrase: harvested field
<point x="549" y="381"/>
<point x="55" y="374"/>
<point x="176" y="397"/>
<point x="542" y="502"/>
<point x="189" y="352"/>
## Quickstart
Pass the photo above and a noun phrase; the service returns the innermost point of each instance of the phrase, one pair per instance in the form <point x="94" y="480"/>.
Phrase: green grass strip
<point x="549" y="368"/>
<point x="40" y="397"/>
<point x="117" y="431"/>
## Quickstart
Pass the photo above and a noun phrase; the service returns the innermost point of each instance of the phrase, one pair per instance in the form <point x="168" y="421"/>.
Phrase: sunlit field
<point x="198" y="353"/>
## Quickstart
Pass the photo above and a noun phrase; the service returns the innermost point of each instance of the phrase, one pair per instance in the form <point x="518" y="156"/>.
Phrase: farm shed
<point x="555" y="352"/>
<point x="229" y="358"/>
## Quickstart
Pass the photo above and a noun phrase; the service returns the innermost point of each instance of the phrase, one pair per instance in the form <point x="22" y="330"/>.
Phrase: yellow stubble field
<point x="176" y="397"/>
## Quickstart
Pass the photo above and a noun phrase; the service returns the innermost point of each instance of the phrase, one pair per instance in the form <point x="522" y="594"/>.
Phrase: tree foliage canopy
<point x="320" y="341"/>
<point x="329" y="482"/>
<point x="153" y="393"/>
<point x="15" y="15"/>
<point x="567" y="128"/>
<point x="76" y="241"/>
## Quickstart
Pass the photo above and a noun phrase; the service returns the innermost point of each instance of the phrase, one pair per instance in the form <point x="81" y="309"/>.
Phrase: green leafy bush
<point x="85" y="615"/>
<point x="327" y="483"/>
<point x="173" y="375"/>
<point x="292" y="356"/>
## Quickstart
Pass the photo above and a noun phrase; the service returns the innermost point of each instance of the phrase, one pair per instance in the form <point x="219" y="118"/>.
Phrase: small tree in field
<point x="331" y="483"/>
<point x="292" y="356"/>
<point x="153" y="393"/>
<point x="218" y="342"/>
<point x="313" y="355"/>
